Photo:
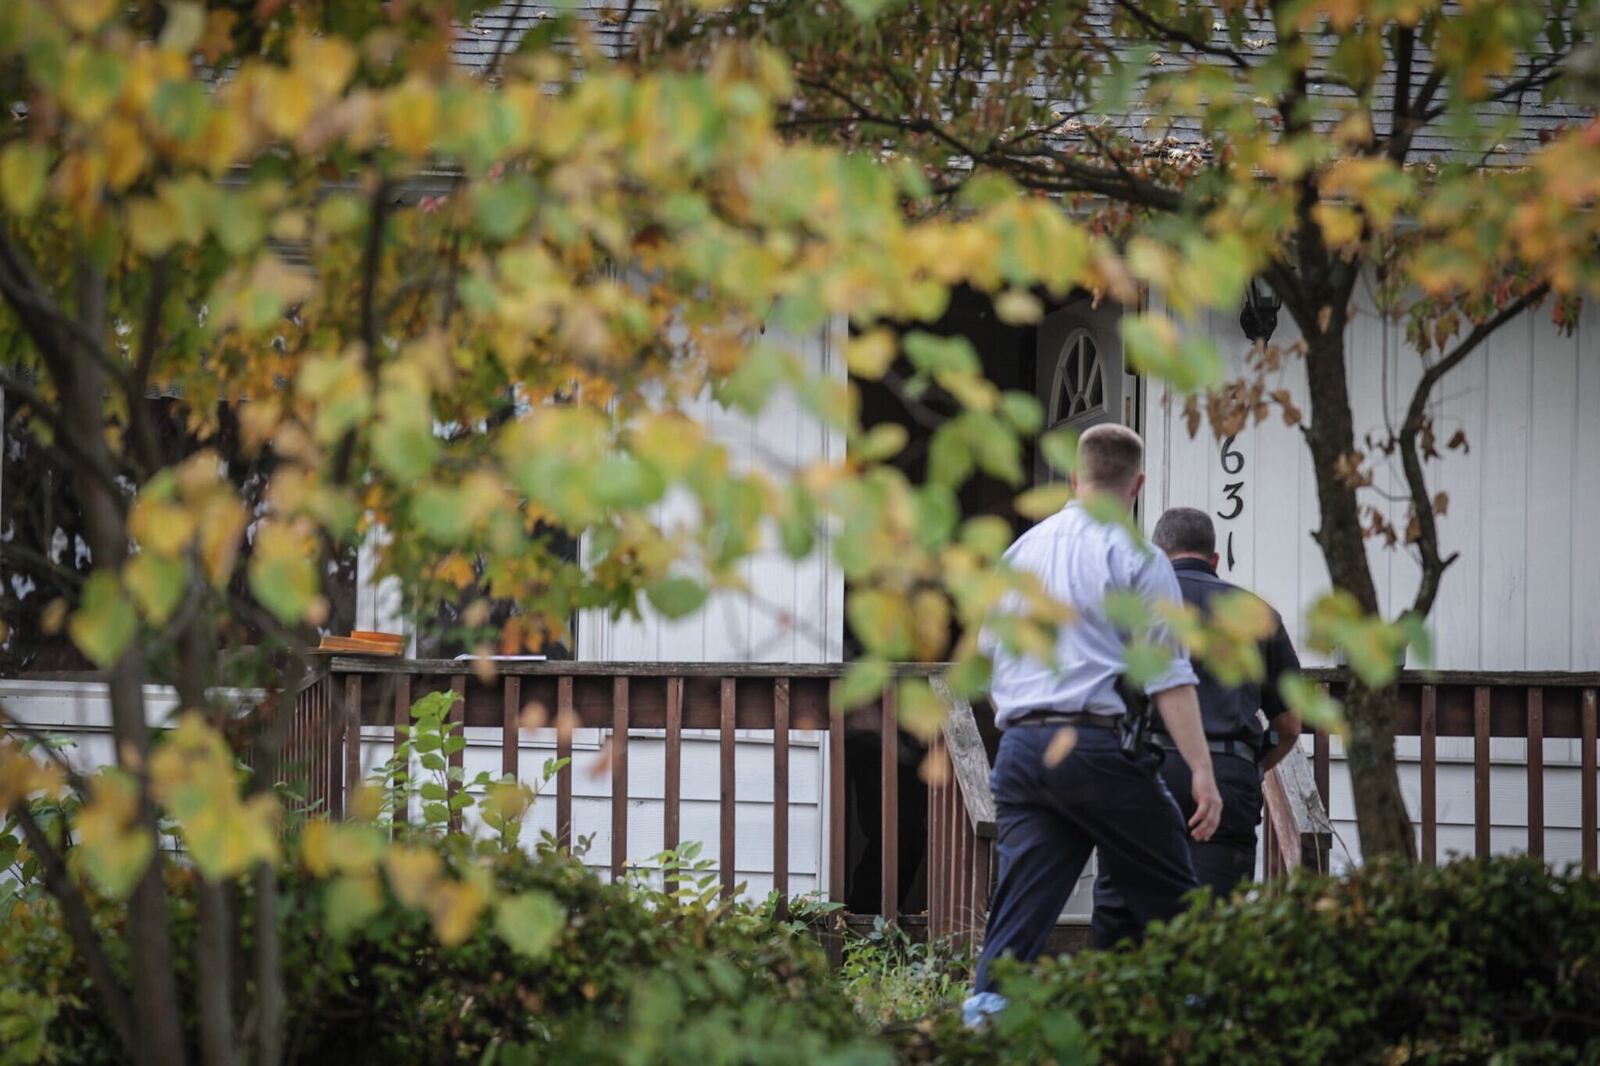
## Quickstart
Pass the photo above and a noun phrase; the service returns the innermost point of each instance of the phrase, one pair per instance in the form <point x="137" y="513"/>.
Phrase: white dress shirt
<point x="1079" y="560"/>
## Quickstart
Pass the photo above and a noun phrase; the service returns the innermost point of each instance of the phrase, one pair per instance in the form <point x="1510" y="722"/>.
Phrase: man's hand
<point x="1180" y="713"/>
<point x="1207" y="805"/>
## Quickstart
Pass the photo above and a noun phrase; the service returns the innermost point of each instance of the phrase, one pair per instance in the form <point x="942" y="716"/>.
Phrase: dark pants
<point x="1049" y="819"/>
<point x="1221" y="863"/>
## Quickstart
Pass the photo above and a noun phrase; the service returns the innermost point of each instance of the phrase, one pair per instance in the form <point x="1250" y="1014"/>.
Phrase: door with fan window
<point x="1082" y="379"/>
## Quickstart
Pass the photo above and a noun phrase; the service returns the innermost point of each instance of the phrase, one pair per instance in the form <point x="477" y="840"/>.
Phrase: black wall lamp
<point x="1259" y="316"/>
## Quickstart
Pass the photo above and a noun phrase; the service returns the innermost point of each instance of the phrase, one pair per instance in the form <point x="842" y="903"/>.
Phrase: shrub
<point x="892" y="978"/>
<point x="1496" y="959"/>
<point x="390" y="992"/>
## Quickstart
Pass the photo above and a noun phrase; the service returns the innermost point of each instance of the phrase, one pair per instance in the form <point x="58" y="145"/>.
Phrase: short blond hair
<point x="1110" y="456"/>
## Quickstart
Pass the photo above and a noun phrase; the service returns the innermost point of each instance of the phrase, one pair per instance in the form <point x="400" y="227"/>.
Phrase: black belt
<point x="1076" y="719"/>
<point x="1237" y="748"/>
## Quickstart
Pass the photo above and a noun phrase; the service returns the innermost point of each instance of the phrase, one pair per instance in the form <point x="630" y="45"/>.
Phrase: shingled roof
<point x="615" y="22"/>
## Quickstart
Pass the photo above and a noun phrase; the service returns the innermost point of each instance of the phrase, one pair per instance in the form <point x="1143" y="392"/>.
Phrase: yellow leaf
<point x="23" y="169"/>
<point x="222" y="520"/>
<point x="919" y="710"/>
<point x="1341" y="227"/>
<point x="284" y="102"/>
<point x="1018" y="307"/>
<point x="870" y="355"/>
<point x="1060" y="746"/>
<point x="85" y="15"/>
<point x="413" y="872"/>
<point x="186" y="22"/>
<point x="454" y="908"/>
<point x="160" y="525"/>
<point x="126" y="156"/>
<point x="411" y="117"/>
<point x="152" y="225"/>
<point x="324" y="63"/>
<point x="930" y="613"/>
<point x="114" y="848"/>
<point x="1042" y="501"/>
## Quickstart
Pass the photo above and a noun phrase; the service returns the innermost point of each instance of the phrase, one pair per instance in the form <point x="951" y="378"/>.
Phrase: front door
<point x="1082" y="379"/>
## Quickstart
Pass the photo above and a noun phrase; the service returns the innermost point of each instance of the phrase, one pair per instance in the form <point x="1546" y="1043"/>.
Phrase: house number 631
<point x="1233" y="466"/>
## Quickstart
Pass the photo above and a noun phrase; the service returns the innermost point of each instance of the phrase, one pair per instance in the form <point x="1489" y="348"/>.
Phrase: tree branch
<point x="113" y="996"/>
<point x="1433" y="567"/>
<point x="1183" y="37"/>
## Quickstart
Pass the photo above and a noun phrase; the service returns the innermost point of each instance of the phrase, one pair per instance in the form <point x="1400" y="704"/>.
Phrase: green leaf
<point x="104" y="624"/>
<point x="937" y="511"/>
<point x="23" y="169"/>
<point x="1024" y="411"/>
<point x="932" y="354"/>
<point x="1147" y="662"/>
<point x="1306" y="698"/>
<point x="1060" y="450"/>
<point x="350" y="902"/>
<point x="881" y="442"/>
<point x="882" y="621"/>
<point x="676" y="597"/>
<point x="157" y="584"/>
<point x="988" y="535"/>
<point x="862" y="683"/>
<point x="531" y="922"/>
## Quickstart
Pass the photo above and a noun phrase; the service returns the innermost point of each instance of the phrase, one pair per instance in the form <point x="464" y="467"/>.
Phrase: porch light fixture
<point x="1259" y="316"/>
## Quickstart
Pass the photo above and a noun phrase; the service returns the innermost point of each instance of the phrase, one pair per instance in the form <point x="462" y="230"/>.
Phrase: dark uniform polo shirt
<point x="1230" y="713"/>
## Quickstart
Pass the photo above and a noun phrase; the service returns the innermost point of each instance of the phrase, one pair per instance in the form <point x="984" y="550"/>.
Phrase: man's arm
<point x="1287" y="726"/>
<point x="1180" y="713"/>
<point x="1279" y="657"/>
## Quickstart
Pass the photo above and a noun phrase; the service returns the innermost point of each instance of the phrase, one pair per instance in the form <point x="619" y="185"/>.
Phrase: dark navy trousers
<point x="1221" y="863"/>
<point x="1048" y="819"/>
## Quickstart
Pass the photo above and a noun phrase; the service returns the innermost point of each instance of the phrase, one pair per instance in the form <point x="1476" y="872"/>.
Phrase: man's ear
<point x="1215" y="559"/>
<point x="1072" y="479"/>
<point x="1138" y="487"/>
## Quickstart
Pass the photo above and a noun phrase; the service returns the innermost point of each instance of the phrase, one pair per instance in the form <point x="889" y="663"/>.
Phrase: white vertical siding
<point x="1524" y="496"/>
<point x="794" y="613"/>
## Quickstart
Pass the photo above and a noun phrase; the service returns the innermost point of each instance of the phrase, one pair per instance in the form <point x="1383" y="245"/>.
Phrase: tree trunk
<point x="1381" y="818"/>
<point x="83" y="386"/>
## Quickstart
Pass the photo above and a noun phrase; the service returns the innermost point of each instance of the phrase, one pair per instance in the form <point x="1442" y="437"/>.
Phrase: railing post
<point x="619" y="777"/>
<point x="780" y="793"/>
<point x="889" y="783"/>
<point x="672" y="787"/>
<point x="727" y="855"/>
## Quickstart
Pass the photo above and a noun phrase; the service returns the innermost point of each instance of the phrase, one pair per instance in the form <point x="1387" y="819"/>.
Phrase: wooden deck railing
<point x="781" y="699"/>
<point x="1531" y="706"/>
<point x="624" y="697"/>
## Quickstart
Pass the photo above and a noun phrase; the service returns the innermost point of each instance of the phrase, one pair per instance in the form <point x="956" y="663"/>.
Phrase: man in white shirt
<point x="1051" y="812"/>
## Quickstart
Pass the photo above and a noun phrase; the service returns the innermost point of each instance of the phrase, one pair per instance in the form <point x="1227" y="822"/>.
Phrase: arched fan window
<point x="1080" y="380"/>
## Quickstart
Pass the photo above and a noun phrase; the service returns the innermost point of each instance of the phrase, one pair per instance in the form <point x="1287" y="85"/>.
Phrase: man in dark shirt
<point x="1242" y="749"/>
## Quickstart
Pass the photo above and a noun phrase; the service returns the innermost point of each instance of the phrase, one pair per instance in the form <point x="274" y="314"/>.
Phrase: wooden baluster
<point x="836" y="830"/>
<point x="1536" y="772"/>
<point x="1321" y="756"/>
<point x="780" y="793"/>
<point x="937" y="865"/>
<point x="1430" y="775"/>
<point x="352" y="739"/>
<point x="1269" y="851"/>
<point x="1591" y="808"/>
<point x="458" y="727"/>
<point x="982" y="859"/>
<point x="670" y="827"/>
<point x="511" y="727"/>
<point x="725" y="737"/>
<point x="961" y="853"/>
<point x="564" y="718"/>
<point x="1480" y="770"/>
<point x="889" y="782"/>
<point x="619" y="777"/>
<point x="402" y="730"/>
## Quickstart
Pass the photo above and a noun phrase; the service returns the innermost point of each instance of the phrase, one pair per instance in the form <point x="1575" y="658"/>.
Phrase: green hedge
<point x="757" y="988"/>
<point x="1480" y="961"/>
<point x="1493" y="961"/>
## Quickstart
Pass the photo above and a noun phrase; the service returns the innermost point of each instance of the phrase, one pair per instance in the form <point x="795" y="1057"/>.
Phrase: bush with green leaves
<point x="892" y="978"/>
<point x="1494" y="960"/>
<point x="388" y="991"/>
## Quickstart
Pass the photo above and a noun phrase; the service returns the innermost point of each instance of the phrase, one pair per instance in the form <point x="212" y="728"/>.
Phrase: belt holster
<point x="1134" y="736"/>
